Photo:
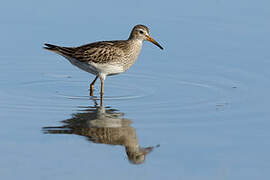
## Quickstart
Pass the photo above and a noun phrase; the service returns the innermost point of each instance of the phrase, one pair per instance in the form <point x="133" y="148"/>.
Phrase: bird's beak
<point x="147" y="150"/>
<point x="149" y="38"/>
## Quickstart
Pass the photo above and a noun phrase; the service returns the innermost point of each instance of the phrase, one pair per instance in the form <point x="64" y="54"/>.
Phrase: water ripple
<point x="155" y="91"/>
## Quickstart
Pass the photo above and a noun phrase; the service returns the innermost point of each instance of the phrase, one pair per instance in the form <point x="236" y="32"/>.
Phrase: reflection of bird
<point x="106" y="58"/>
<point x="105" y="126"/>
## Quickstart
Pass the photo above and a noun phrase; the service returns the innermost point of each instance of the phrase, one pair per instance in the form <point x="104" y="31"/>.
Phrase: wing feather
<point x="100" y="52"/>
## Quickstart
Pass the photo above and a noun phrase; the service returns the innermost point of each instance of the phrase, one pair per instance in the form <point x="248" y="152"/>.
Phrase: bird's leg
<point x="92" y="86"/>
<point x="101" y="92"/>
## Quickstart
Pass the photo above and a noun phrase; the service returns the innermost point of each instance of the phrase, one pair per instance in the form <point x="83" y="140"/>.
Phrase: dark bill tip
<point x="154" y="42"/>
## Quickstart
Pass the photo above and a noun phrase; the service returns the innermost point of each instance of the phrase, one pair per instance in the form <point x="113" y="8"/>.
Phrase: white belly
<point x="108" y="69"/>
<point x="96" y="68"/>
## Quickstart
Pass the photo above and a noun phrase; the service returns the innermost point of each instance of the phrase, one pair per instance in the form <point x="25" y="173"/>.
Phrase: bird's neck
<point x="133" y="51"/>
<point x="135" y="46"/>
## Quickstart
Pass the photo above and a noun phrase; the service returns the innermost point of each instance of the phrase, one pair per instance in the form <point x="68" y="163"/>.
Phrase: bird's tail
<point x="51" y="47"/>
<point x="66" y="51"/>
<point x="57" y="130"/>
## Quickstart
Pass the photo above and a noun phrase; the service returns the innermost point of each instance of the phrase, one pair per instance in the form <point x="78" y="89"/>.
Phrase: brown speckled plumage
<point x="106" y="58"/>
<point x="98" y="52"/>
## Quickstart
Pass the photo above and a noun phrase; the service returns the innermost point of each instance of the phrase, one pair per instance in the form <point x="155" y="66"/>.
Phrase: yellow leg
<point x="92" y="86"/>
<point x="101" y="92"/>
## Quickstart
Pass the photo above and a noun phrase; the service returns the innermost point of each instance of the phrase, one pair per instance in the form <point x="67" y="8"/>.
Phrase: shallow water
<point x="199" y="109"/>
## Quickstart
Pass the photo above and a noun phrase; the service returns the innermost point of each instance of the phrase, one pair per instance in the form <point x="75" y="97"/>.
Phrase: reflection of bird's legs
<point x="95" y="102"/>
<point x="101" y="92"/>
<point x="92" y="86"/>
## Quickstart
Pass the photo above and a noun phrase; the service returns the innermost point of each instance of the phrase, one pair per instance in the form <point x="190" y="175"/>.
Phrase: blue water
<point x="201" y="105"/>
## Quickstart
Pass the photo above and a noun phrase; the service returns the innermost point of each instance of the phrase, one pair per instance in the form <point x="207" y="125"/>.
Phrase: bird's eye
<point x="141" y="32"/>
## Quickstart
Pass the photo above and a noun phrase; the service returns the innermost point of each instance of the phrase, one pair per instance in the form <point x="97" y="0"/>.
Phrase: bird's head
<point x="141" y="32"/>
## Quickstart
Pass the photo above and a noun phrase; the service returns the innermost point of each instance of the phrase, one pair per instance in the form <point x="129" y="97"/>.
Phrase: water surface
<point x="199" y="109"/>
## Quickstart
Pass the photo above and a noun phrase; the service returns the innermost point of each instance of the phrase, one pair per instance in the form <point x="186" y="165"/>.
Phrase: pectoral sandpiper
<point x="106" y="58"/>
